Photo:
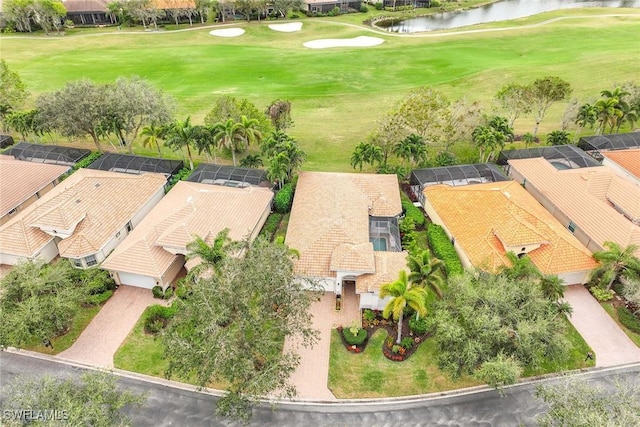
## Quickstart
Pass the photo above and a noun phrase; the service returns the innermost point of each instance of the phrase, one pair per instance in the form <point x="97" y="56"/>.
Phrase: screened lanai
<point x="136" y="165"/>
<point x="230" y="176"/>
<point x="454" y="176"/>
<point x="560" y="156"/>
<point x="52" y="154"/>
<point x="384" y="234"/>
<point x="617" y="141"/>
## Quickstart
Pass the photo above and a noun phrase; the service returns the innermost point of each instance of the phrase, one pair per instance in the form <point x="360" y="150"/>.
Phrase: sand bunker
<point x="287" y="28"/>
<point x="227" y="32"/>
<point x="362" y="41"/>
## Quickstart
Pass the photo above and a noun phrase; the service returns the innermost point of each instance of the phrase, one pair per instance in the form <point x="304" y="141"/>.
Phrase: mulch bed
<point x="389" y="342"/>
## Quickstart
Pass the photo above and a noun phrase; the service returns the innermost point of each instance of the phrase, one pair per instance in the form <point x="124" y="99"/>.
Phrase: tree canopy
<point x="496" y="317"/>
<point x="13" y="91"/>
<point x="96" y="400"/>
<point x="232" y="328"/>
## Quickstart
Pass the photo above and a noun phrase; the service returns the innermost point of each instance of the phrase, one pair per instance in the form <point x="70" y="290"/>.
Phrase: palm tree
<point x="234" y="135"/>
<point x="521" y="268"/>
<point x="487" y="140"/>
<point x="251" y="161"/>
<point x="587" y="115"/>
<point x="552" y="286"/>
<point x="614" y="263"/>
<point x="501" y="124"/>
<point x="357" y="158"/>
<point x="558" y="137"/>
<point x="426" y="271"/>
<point x="152" y="134"/>
<point x="277" y="170"/>
<point x="211" y="255"/>
<point x="413" y="149"/>
<point x="528" y="139"/>
<point x="183" y="135"/>
<point x="366" y="152"/>
<point x="607" y="113"/>
<point x="403" y="295"/>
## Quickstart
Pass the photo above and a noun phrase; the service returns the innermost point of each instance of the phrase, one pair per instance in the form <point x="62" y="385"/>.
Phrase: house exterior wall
<point x="138" y="217"/>
<point x="575" y="278"/>
<point x="260" y="224"/>
<point x="136" y="280"/>
<point x="330" y="5"/>
<point x="29" y="201"/>
<point x="46" y="254"/>
<point x="326" y="284"/>
<point x="172" y="272"/>
<point x="372" y="301"/>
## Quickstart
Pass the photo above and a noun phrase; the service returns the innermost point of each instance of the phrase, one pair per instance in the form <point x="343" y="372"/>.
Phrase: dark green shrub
<point x="157" y="292"/>
<point x="413" y="212"/>
<point x="180" y="176"/>
<point x="618" y="288"/>
<point x="443" y="249"/>
<point x="334" y="12"/>
<point x="271" y="225"/>
<point x="168" y="293"/>
<point x="98" y="299"/>
<point x="153" y="326"/>
<point x="379" y="6"/>
<point x="418" y="326"/>
<point x="352" y="339"/>
<point x="156" y="317"/>
<point x="406" y="225"/>
<point x="294" y="16"/>
<point x="628" y="319"/>
<point x="364" y="8"/>
<point x="406" y="342"/>
<point x="283" y="199"/>
<point x="181" y="292"/>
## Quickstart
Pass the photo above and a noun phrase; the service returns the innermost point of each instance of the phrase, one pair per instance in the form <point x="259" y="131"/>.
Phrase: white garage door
<point x="137" y="280"/>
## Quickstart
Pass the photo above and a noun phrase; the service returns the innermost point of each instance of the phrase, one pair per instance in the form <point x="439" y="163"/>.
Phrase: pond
<point x="500" y="11"/>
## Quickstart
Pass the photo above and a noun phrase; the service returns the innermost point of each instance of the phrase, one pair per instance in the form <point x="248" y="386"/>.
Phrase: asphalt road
<point x="170" y="404"/>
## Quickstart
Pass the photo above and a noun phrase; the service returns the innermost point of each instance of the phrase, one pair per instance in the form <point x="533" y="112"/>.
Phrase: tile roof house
<point x="22" y="183"/>
<point x="154" y="252"/>
<point x="625" y="162"/>
<point x="485" y="221"/>
<point x="595" y="204"/>
<point x="344" y="226"/>
<point x="83" y="218"/>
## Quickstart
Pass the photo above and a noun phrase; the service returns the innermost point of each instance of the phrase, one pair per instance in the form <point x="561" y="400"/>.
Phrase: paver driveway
<point x="310" y="378"/>
<point x="100" y="340"/>
<point x="610" y="344"/>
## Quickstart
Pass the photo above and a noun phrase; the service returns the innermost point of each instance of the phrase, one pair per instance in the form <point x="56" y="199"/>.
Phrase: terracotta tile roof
<point x="85" y="6"/>
<point x="581" y="195"/>
<point x="189" y="209"/>
<point x="330" y="209"/>
<point x="628" y="159"/>
<point x="20" y="180"/>
<point x="93" y="205"/>
<point x="347" y="256"/>
<point x="388" y="265"/>
<point x="484" y="218"/>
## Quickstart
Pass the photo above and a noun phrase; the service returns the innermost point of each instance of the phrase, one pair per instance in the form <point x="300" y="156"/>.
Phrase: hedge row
<point x="284" y="199"/>
<point x="628" y="319"/>
<point x="271" y="225"/>
<point x="443" y="249"/>
<point x="413" y="212"/>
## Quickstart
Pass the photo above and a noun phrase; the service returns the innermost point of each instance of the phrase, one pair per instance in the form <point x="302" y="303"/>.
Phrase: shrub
<point x="600" y="294"/>
<point x="168" y="293"/>
<point x="354" y="339"/>
<point x="180" y="176"/>
<point x="283" y="199"/>
<point x="368" y="315"/>
<point x="156" y="318"/>
<point x="294" y="16"/>
<point x="379" y="6"/>
<point x="419" y="326"/>
<point x="406" y="343"/>
<point x="99" y="299"/>
<point x="157" y="292"/>
<point x="443" y="249"/>
<point x="407" y="225"/>
<point x="395" y="349"/>
<point x="413" y="212"/>
<point x="334" y="12"/>
<point x="153" y="326"/>
<point x="628" y="319"/>
<point x="181" y="292"/>
<point x="271" y="225"/>
<point x="364" y="8"/>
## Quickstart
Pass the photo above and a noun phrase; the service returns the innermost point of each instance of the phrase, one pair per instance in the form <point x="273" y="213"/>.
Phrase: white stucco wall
<point x="575" y="278"/>
<point x="372" y="301"/>
<point x="46" y="254"/>
<point x="147" y="207"/>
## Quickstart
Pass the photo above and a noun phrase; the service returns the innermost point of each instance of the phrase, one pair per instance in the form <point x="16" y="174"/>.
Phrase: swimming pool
<point x="379" y="243"/>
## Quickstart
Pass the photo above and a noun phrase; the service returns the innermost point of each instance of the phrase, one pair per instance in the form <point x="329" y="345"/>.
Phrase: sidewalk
<point x="610" y="344"/>
<point x="103" y="336"/>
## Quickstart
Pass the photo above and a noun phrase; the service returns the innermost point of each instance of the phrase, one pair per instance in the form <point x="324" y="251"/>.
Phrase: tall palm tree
<point x="608" y="113"/>
<point x="528" y="139"/>
<point x="357" y="158"/>
<point x="615" y="262"/>
<point x="152" y="135"/>
<point x="235" y="136"/>
<point x="413" y="149"/>
<point x="404" y="294"/>
<point x="183" y="135"/>
<point x="426" y="271"/>
<point x="587" y="115"/>
<point x="487" y="140"/>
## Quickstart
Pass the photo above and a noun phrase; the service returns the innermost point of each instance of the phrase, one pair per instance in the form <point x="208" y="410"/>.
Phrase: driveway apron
<point x="103" y="336"/>
<point x="610" y="344"/>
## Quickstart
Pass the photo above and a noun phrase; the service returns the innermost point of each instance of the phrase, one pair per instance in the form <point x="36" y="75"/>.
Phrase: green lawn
<point x="339" y="94"/>
<point x="370" y="374"/>
<point x="63" y="342"/>
<point x="141" y="353"/>
<point x="608" y="307"/>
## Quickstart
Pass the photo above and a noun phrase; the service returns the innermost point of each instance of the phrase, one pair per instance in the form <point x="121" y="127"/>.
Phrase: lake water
<point x="500" y="11"/>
